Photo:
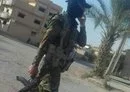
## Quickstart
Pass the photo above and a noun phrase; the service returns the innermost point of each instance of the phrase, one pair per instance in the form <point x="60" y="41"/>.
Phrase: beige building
<point x="28" y="18"/>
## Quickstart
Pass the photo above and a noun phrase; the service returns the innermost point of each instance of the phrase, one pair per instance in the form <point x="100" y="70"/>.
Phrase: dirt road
<point x="15" y="57"/>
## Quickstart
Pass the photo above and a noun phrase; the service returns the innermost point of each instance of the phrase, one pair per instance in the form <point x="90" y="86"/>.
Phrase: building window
<point x="51" y="14"/>
<point x="41" y="9"/>
<point x="21" y="15"/>
<point x="38" y="22"/>
<point x="33" y="33"/>
<point x="45" y="25"/>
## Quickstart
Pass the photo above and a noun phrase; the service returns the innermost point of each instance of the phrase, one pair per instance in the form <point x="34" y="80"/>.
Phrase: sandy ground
<point x="15" y="57"/>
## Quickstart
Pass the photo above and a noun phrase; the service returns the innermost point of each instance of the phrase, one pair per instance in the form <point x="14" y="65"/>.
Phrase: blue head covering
<point x="76" y="7"/>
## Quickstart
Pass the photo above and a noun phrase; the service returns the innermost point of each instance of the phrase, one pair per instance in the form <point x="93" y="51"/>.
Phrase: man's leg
<point x="55" y="79"/>
<point x="43" y="71"/>
<point x="44" y="85"/>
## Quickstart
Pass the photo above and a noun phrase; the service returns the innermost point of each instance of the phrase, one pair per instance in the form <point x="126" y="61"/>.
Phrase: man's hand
<point x="33" y="70"/>
<point x="82" y="21"/>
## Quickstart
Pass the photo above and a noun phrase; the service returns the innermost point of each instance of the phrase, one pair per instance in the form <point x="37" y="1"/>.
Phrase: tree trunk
<point x="104" y="56"/>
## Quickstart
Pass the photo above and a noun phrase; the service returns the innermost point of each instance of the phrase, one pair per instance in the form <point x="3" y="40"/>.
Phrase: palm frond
<point x="120" y="12"/>
<point x="119" y="8"/>
<point x="98" y="16"/>
<point x="104" y="8"/>
<point x="102" y="5"/>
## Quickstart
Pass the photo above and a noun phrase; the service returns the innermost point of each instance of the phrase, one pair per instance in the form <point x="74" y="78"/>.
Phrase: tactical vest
<point x="60" y="50"/>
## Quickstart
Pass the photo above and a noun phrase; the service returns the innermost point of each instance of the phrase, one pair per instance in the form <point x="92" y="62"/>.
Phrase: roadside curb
<point x="97" y="81"/>
<point x="102" y="83"/>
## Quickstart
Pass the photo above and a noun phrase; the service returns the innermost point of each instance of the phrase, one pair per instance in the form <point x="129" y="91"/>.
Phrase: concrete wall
<point x="47" y="2"/>
<point x="27" y="19"/>
<point x="41" y="10"/>
<point x="55" y="8"/>
<point x="126" y="65"/>
<point x="19" y="31"/>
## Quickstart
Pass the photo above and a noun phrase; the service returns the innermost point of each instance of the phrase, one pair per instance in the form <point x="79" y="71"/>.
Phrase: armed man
<point x="58" y="45"/>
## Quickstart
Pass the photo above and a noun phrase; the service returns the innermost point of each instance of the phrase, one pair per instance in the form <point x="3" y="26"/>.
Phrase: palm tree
<point x="113" y="23"/>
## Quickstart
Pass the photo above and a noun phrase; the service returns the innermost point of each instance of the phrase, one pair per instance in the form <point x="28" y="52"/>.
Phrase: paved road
<point x="15" y="57"/>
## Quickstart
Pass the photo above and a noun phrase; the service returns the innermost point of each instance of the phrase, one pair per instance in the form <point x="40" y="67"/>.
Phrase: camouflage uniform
<point x="58" y="47"/>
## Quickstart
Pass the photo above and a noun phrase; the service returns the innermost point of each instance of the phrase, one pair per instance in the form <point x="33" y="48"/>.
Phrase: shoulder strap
<point x="65" y="30"/>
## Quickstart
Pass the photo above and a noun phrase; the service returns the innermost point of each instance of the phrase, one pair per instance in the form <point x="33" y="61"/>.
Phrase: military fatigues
<point x="58" y="47"/>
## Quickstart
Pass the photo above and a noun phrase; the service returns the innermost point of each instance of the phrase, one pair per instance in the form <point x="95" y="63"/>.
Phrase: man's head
<point x="76" y="8"/>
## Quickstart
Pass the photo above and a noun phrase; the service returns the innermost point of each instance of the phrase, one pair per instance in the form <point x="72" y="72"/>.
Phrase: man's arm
<point x="82" y="38"/>
<point x="49" y="37"/>
<point x="41" y="52"/>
